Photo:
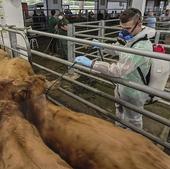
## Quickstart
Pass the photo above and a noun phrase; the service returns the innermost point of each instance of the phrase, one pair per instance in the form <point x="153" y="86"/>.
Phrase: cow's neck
<point x="36" y="111"/>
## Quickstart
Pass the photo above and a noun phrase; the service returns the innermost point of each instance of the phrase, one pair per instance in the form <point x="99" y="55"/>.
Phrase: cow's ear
<point x="34" y="78"/>
<point x="5" y="82"/>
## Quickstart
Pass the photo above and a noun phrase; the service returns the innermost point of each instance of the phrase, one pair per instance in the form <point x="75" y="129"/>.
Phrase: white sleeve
<point x="112" y="52"/>
<point x="127" y="62"/>
<point x="118" y="69"/>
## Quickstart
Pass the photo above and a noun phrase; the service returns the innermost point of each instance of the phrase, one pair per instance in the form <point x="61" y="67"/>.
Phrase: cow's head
<point x="35" y="86"/>
<point x="33" y="101"/>
<point x="28" y="94"/>
<point x="31" y="87"/>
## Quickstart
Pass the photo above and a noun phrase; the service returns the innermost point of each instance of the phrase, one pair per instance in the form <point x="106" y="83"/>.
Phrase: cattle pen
<point x="95" y="84"/>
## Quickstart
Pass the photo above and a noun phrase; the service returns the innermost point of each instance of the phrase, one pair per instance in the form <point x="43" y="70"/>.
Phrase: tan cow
<point x="21" y="147"/>
<point x="86" y="142"/>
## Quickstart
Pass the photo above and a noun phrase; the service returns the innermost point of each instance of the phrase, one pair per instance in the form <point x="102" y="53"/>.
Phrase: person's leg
<point x="64" y="49"/>
<point x="131" y="116"/>
<point x="54" y="46"/>
<point x="51" y="46"/>
<point x="119" y="109"/>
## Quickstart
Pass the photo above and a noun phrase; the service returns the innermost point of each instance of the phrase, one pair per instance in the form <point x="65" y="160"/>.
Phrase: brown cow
<point x="21" y="147"/>
<point x="87" y="142"/>
<point x="84" y="141"/>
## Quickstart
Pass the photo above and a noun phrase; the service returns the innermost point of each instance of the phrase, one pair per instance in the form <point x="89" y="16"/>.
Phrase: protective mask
<point x="60" y="17"/>
<point x="124" y="36"/>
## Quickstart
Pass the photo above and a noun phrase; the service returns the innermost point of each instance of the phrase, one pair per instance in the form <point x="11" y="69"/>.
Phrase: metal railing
<point x="13" y="41"/>
<point x="107" y="79"/>
<point x="100" y="31"/>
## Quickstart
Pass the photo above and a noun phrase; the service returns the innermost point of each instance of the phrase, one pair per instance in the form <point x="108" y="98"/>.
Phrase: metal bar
<point x="15" y="50"/>
<point x="167" y="46"/>
<point x="163" y="31"/>
<point x="81" y="23"/>
<point x="2" y="37"/>
<point x="95" y="22"/>
<point x="111" y="33"/>
<point x="113" y="117"/>
<point x="70" y="47"/>
<point x="157" y="37"/>
<point x="94" y="77"/>
<point x="111" y="20"/>
<point x="139" y="52"/>
<point x="101" y="34"/>
<point x="86" y="31"/>
<point x="107" y="96"/>
<point x="96" y="37"/>
<point x="13" y="42"/>
<point x="130" y="84"/>
<point x="95" y="56"/>
<point x="55" y="102"/>
<point x="105" y="55"/>
<point x="88" y="54"/>
<point x="25" y="39"/>
<point x="81" y="47"/>
<point x="96" y="26"/>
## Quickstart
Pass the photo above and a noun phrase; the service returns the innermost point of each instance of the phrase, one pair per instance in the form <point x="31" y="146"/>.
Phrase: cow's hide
<point x="3" y="54"/>
<point x="87" y="142"/>
<point x="21" y="147"/>
<point x="16" y="68"/>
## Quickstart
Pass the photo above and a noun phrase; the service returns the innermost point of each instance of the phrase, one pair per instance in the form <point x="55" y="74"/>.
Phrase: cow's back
<point x="91" y="143"/>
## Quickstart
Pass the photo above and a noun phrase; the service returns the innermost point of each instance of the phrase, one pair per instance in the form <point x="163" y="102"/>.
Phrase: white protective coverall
<point x="126" y="68"/>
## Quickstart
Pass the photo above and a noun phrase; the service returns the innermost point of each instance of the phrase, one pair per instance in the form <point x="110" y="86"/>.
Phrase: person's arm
<point x="65" y="25"/>
<point x="124" y="66"/>
<point x="112" y="52"/>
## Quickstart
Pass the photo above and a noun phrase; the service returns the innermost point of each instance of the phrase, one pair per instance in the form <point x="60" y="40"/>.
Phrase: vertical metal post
<point x="102" y="30"/>
<point x="47" y="9"/>
<point x="101" y="33"/>
<point x="157" y="37"/>
<point x="13" y="43"/>
<point x="70" y="46"/>
<point x="2" y="38"/>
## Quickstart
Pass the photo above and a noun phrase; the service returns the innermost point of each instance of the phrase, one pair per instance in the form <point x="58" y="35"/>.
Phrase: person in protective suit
<point x="133" y="35"/>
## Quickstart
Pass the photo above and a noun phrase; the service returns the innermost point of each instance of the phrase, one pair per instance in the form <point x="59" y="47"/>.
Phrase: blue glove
<point x="83" y="61"/>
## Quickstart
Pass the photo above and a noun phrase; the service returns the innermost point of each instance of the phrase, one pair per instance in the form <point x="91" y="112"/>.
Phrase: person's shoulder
<point x="144" y="44"/>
